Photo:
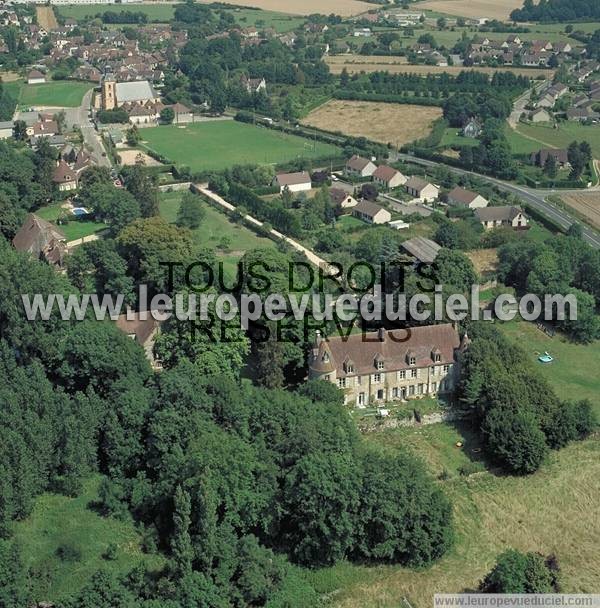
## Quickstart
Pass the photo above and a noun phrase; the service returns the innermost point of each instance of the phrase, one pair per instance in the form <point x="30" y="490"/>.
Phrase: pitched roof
<point x="293" y="179"/>
<point x="392" y="347"/>
<point x="416" y="183"/>
<point x="463" y="196"/>
<point x="338" y="195"/>
<point x="134" y="91"/>
<point x="141" y="329"/>
<point x="63" y="174"/>
<point x="540" y="157"/>
<point x="368" y="208"/>
<point x="179" y="108"/>
<point x="497" y="214"/>
<point x="35" y="74"/>
<point x="385" y="173"/>
<point x="425" y="250"/>
<point x="39" y="237"/>
<point x="357" y="163"/>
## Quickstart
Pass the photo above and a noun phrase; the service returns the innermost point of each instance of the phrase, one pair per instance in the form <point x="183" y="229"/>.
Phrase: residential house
<point x="387" y="177"/>
<point x="41" y="239"/>
<point x="540" y="115"/>
<point x="560" y="156"/>
<point x="363" y="32"/>
<point x="561" y="48"/>
<point x="294" y="182"/>
<point x="372" y="213"/>
<point x="460" y="197"/>
<point x="495" y="217"/>
<point x="581" y="114"/>
<point x="422" y="189"/>
<point x="472" y="129"/>
<point x="64" y="177"/>
<point x="43" y="128"/>
<point x="6" y="129"/>
<point x="358" y="166"/>
<point x="144" y="329"/>
<point x="35" y="77"/>
<point x="341" y="199"/>
<point x="422" y="249"/>
<point x="390" y="365"/>
<point x="253" y="85"/>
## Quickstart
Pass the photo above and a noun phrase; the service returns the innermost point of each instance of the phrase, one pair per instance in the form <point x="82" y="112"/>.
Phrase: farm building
<point x="422" y="249"/>
<point x="372" y="213"/>
<point x="35" y="77"/>
<point x="495" y="217"/>
<point x="294" y="182"/>
<point x="460" y="197"/>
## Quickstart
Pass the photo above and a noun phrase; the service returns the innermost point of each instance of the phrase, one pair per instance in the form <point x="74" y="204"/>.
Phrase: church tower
<point x="109" y="93"/>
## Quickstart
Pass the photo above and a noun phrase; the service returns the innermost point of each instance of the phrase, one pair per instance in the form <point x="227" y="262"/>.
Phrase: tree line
<point x="557" y="10"/>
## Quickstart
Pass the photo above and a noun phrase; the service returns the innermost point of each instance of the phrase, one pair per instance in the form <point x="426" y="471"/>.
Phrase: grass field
<point x="574" y="371"/>
<point x="220" y="144"/>
<point x="564" y="135"/>
<point x="215" y="226"/>
<point x="383" y="122"/>
<point x="555" y="510"/>
<point x="520" y="144"/>
<point x="58" y="521"/>
<point x="58" y="94"/>
<point x="74" y="229"/>
<point x="452" y="137"/>
<point x="344" y="8"/>
<point x="155" y="12"/>
<point x="397" y="65"/>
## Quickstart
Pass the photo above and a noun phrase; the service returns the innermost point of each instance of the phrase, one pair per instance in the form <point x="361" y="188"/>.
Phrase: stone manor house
<point x="390" y="365"/>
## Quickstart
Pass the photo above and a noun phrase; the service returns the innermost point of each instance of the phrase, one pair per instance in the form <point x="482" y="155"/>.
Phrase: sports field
<point x="220" y="144"/>
<point x="58" y="94"/>
<point x="384" y="122"/>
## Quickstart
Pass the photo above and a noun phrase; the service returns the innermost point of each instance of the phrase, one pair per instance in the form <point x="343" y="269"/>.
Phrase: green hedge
<point x="358" y="96"/>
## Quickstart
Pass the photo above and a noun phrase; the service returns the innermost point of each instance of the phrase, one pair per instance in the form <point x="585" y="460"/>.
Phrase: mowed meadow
<point x="492" y="9"/>
<point x="222" y="143"/>
<point x="383" y="122"/>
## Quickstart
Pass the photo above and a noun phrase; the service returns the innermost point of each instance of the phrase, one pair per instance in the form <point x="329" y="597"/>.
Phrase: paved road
<point x="80" y="117"/>
<point x="537" y="199"/>
<point x="521" y="102"/>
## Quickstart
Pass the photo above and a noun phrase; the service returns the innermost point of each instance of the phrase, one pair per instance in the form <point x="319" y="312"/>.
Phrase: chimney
<point x="381" y="334"/>
<point x="318" y="338"/>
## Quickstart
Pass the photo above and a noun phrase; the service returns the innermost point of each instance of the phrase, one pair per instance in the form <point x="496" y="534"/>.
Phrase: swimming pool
<point x="79" y="211"/>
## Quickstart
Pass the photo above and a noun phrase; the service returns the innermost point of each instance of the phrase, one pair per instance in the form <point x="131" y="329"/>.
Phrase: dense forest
<point x="557" y="10"/>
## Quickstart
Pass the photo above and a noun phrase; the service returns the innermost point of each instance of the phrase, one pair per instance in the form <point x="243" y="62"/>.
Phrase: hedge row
<point x="412" y="100"/>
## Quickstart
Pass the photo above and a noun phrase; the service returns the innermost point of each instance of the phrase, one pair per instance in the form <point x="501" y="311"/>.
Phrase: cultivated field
<point x="58" y="94"/>
<point x="46" y="17"/>
<point x="383" y="122"/>
<point x="492" y="9"/>
<point x="220" y="144"/>
<point x="397" y="65"/>
<point x="586" y="204"/>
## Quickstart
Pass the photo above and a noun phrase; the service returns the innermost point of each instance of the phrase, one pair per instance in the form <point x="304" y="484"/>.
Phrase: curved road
<point x="537" y="199"/>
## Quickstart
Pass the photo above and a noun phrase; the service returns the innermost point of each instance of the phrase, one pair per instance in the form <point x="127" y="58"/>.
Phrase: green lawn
<point x="452" y="137"/>
<point x="574" y="371"/>
<point x="60" y="93"/>
<point x="58" y="521"/>
<point x="280" y="22"/>
<point x="563" y="136"/>
<point x="214" y="227"/>
<point x="156" y="12"/>
<point x="519" y="143"/>
<point x="74" y="229"/>
<point x="220" y="144"/>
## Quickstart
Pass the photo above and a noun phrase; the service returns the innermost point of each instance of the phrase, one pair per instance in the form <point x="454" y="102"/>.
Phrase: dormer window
<point x="348" y="366"/>
<point x="436" y="355"/>
<point x="411" y="358"/>
<point x="379" y="362"/>
<point x="380" y="365"/>
<point x="325" y="358"/>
